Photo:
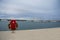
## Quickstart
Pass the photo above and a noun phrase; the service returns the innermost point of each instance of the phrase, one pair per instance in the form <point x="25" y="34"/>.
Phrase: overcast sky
<point x="44" y="9"/>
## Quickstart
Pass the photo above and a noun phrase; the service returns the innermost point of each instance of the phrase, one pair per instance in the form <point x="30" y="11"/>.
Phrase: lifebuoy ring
<point x="13" y="25"/>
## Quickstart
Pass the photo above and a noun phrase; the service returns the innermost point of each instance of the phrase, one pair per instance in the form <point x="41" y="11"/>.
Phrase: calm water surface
<point x="29" y="25"/>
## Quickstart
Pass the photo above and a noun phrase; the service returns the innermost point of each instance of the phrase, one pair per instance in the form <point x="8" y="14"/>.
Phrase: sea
<point x="28" y="25"/>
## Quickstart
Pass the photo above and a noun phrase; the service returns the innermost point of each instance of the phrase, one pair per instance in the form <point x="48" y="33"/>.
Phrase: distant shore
<point x="32" y="20"/>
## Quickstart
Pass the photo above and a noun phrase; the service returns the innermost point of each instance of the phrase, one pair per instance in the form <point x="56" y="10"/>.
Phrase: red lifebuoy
<point x="13" y="25"/>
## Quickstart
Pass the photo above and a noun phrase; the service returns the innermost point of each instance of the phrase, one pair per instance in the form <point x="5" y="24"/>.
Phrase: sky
<point x="44" y="9"/>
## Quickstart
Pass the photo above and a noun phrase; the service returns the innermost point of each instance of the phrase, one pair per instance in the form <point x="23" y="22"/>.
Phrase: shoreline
<point x="35" y="34"/>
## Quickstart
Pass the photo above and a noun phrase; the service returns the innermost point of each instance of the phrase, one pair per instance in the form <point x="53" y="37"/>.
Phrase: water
<point x="29" y="25"/>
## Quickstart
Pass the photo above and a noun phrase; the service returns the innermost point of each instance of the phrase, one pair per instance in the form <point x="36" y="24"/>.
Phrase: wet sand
<point x="35" y="34"/>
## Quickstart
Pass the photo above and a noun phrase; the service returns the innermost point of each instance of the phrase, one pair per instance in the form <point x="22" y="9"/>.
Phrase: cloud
<point x="19" y="6"/>
<point x="25" y="7"/>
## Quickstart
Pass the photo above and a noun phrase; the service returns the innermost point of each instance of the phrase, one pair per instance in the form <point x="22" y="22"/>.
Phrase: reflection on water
<point x="29" y="25"/>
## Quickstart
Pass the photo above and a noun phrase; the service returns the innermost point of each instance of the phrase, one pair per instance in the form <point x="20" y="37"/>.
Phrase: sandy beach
<point x="35" y="34"/>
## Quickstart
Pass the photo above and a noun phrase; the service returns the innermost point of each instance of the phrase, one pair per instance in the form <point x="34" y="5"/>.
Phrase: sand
<point x="35" y="34"/>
